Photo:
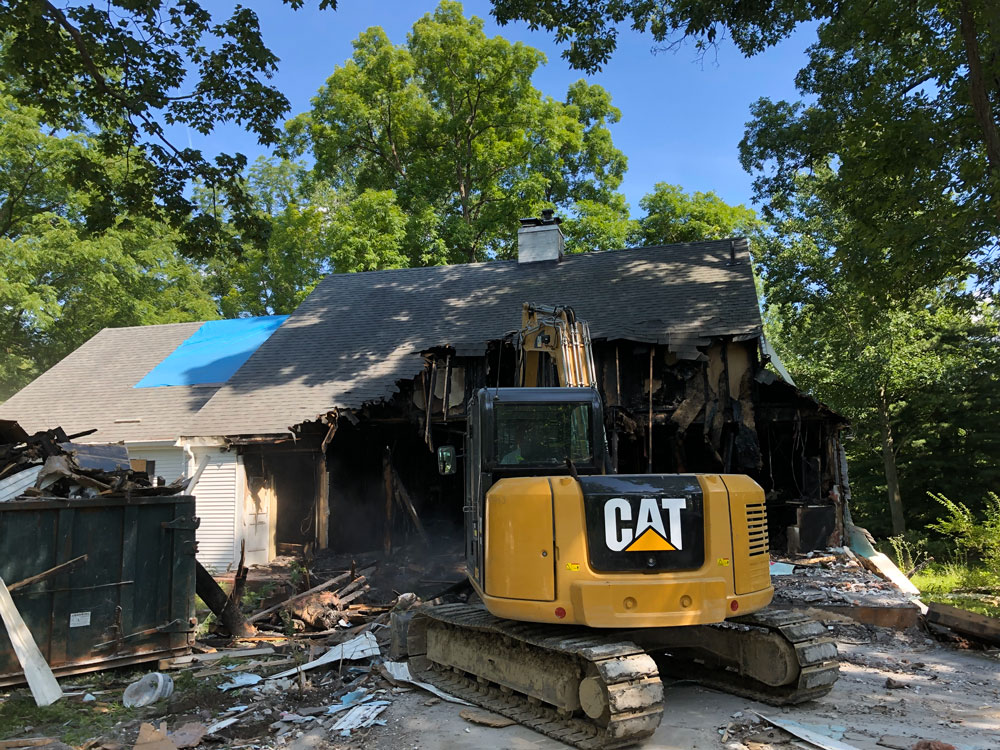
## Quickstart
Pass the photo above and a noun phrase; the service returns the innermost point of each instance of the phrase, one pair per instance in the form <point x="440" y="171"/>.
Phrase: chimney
<point x="540" y="239"/>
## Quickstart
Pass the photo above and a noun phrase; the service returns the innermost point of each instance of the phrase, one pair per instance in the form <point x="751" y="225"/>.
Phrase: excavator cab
<point x="526" y="432"/>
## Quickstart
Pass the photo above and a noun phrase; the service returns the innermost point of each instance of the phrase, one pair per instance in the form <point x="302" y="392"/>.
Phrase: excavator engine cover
<point x="644" y="523"/>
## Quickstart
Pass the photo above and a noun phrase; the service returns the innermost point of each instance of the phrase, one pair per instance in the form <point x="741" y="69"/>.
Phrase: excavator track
<point x="598" y="689"/>
<point x="582" y="687"/>
<point x="814" y="670"/>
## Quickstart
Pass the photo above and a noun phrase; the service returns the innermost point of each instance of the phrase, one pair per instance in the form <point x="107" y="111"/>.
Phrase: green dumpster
<point x="130" y="600"/>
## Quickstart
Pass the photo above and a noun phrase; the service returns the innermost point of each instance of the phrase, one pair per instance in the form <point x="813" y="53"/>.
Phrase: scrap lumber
<point x="876" y="562"/>
<point x="967" y="623"/>
<point x="216" y="600"/>
<point x="292" y="599"/>
<point x="181" y="661"/>
<point x="42" y="682"/>
<point x="404" y="499"/>
<point x="68" y="565"/>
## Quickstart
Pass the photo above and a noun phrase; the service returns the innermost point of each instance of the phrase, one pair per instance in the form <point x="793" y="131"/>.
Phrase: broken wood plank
<point x="181" y="661"/>
<point x="29" y="742"/>
<point x="876" y="562"/>
<point x="292" y="599"/>
<point x="69" y="565"/>
<point x="42" y="682"/>
<point x="404" y="499"/>
<point x="212" y="672"/>
<point x="965" y="622"/>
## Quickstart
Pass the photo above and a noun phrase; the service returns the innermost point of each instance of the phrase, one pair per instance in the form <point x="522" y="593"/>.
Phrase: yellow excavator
<point x="584" y="574"/>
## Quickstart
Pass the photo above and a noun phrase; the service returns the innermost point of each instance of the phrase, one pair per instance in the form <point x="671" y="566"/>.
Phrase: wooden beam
<point x="967" y="623"/>
<point x="403" y="497"/>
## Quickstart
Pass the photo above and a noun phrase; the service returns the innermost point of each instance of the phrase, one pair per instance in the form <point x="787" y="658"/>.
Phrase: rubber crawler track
<point x="584" y="650"/>
<point x="816" y="656"/>
<point x="815" y="652"/>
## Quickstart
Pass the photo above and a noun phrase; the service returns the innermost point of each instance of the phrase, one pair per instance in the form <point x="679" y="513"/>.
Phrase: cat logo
<point x="648" y="534"/>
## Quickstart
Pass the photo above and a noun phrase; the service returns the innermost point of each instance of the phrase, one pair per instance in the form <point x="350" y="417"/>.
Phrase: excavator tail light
<point x="734" y="605"/>
<point x="560" y="612"/>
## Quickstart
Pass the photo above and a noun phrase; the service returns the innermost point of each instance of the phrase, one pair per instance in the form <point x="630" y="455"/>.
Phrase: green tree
<point x="125" y="70"/>
<point x="907" y="366"/>
<point x="675" y="216"/>
<point x="66" y="272"/>
<point x="450" y="125"/>
<point x="316" y="230"/>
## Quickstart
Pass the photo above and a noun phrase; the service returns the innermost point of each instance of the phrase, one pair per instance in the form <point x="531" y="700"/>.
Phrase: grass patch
<point x="959" y="584"/>
<point x="68" y="719"/>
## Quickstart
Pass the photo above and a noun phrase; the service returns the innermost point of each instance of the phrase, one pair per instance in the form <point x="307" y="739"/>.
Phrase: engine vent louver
<point x="756" y="518"/>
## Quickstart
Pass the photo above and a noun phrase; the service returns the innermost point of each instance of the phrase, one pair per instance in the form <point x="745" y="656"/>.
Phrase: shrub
<point x="979" y="537"/>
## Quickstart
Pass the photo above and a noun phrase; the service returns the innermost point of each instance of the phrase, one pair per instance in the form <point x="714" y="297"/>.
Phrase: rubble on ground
<point x="831" y="577"/>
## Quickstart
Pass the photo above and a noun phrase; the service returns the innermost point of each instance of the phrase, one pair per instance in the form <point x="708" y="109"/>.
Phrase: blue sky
<point x="681" y="119"/>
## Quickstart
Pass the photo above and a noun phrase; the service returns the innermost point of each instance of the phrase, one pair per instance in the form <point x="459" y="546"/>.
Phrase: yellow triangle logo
<point x="650" y="541"/>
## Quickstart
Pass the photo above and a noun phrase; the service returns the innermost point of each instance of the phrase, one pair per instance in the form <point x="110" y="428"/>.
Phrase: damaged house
<point x="306" y="432"/>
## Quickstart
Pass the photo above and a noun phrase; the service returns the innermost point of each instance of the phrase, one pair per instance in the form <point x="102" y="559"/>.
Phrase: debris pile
<point x="49" y="464"/>
<point x="832" y="577"/>
<point x="324" y="609"/>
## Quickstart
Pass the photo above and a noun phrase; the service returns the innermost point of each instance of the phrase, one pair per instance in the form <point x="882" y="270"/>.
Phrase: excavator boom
<point x="554" y="335"/>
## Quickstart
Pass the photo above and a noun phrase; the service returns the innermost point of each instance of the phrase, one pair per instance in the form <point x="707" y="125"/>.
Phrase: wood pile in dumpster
<point x="48" y="464"/>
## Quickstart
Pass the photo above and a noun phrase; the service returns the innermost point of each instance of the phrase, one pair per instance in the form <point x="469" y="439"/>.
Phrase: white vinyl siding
<point x="216" y="505"/>
<point x="171" y="463"/>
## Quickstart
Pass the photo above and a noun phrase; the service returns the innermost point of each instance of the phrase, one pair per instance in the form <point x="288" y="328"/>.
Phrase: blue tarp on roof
<point x="213" y="353"/>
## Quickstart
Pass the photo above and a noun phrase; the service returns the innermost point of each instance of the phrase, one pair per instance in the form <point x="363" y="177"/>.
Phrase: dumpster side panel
<point x="131" y="600"/>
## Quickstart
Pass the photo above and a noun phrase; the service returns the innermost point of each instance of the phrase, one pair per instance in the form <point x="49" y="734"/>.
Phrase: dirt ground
<point x="937" y="692"/>
<point x="943" y="693"/>
<point x="949" y="695"/>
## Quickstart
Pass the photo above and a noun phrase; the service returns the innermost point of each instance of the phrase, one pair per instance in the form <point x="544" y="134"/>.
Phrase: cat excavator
<point x="585" y="575"/>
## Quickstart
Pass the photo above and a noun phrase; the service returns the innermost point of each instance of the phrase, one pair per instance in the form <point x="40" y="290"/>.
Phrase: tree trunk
<point x="979" y="88"/>
<point x="889" y="463"/>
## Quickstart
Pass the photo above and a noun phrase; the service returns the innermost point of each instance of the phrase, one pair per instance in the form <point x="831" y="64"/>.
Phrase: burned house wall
<point x="377" y="466"/>
<point x="664" y="414"/>
<point x="284" y="497"/>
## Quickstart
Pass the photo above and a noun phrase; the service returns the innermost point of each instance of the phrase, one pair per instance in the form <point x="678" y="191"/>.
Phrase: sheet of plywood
<point x="42" y="682"/>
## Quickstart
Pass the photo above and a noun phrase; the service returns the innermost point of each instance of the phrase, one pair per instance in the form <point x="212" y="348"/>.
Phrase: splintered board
<point x="42" y="682"/>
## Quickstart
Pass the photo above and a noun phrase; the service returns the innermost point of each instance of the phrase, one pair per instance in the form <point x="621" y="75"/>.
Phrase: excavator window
<point x="539" y="434"/>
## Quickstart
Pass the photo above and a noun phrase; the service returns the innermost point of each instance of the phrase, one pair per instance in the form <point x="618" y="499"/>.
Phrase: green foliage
<point x="599" y="225"/>
<point x="72" y="721"/>
<point x="675" y="216"/>
<point x="69" y="264"/>
<point x="590" y="27"/>
<point x="972" y="587"/>
<point x="909" y="552"/>
<point x="914" y="367"/>
<point x="445" y="143"/>
<point x="125" y="70"/>
<point x="971" y="533"/>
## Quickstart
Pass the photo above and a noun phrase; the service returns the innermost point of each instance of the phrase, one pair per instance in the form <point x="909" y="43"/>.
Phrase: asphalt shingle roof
<point x="358" y="334"/>
<point x="92" y="387"/>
